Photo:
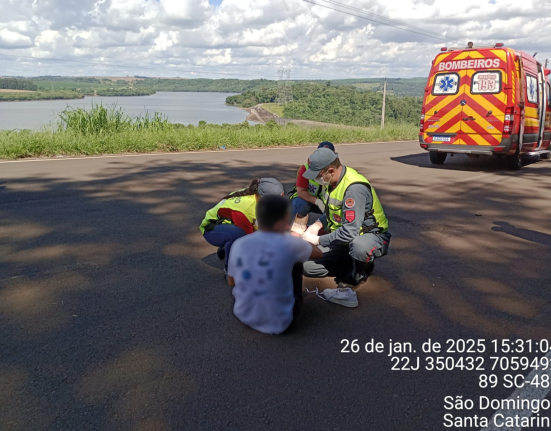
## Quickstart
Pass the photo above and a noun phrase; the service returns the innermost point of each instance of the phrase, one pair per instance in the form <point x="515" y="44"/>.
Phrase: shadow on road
<point x="115" y="314"/>
<point x="461" y="162"/>
<point x="527" y="234"/>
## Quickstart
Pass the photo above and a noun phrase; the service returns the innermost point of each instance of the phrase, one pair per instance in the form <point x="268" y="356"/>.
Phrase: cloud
<point x="253" y="38"/>
<point x="12" y="40"/>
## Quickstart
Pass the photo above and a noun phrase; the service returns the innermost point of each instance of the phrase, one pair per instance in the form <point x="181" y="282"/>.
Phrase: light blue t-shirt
<point x="261" y="265"/>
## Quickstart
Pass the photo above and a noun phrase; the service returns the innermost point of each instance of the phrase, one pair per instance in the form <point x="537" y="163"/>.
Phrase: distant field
<point x="16" y="91"/>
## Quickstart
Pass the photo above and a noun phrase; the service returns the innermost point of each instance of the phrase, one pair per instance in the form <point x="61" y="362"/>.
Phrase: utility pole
<point x="384" y="103"/>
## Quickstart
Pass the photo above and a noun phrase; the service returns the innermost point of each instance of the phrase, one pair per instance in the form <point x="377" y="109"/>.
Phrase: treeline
<point x="39" y="95"/>
<point x="397" y="86"/>
<point x="17" y="84"/>
<point x="205" y="85"/>
<point x="113" y="92"/>
<point x="337" y="104"/>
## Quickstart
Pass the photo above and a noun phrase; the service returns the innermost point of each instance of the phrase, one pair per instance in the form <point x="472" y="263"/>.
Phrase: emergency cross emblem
<point x="447" y="84"/>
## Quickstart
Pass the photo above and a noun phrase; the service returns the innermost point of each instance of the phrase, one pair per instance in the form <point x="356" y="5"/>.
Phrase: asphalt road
<point x="114" y="313"/>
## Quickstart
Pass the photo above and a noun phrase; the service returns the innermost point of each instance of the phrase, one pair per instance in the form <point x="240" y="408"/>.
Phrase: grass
<point x="110" y="131"/>
<point x="274" y="108"/>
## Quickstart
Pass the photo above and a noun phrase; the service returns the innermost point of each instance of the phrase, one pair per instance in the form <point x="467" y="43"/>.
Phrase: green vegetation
<point x="101" y="120"/>
<point x="339" y="105"/>
<point x="17" y="84"/>
<point x="40" y="95"/>
<point x="396" y="86"/>
<point x="274" y="108"/>
<point x="109" y="131"/>
<point x="414" y="87"/>
<point x="91" y="86"/>
<point x="206" y="85"/>
<point x="111" y="92"/>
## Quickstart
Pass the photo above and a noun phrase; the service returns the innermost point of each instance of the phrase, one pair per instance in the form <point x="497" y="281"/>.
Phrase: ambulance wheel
<point x="515" y="161"/>
<point x="437" y="158"/>
<point x="546" y="156"/>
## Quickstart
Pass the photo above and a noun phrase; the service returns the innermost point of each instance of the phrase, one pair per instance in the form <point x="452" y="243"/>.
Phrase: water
<point x="185" y="108"/>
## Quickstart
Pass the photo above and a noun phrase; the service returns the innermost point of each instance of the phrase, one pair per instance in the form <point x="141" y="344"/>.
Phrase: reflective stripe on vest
<point x="334" y="204"/>
<point x="313" y="187"/>
<point x="243" y="204"/>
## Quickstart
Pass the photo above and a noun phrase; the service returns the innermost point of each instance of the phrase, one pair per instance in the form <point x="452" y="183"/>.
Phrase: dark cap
<point x="327" y="144"/>
<point x="319" y="160"/>
<point x="270" y="186"/>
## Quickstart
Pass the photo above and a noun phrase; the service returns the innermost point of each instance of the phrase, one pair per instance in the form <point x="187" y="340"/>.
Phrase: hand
<point x="315" y="228"/>
<point x="320" y="205"/>
<point x="311" y="238"/>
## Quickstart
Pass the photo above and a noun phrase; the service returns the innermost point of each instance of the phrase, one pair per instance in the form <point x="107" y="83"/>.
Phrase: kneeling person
<point x="306" y="193"/>
<point x="265" y="269"/>
<point x="357" y="224"/>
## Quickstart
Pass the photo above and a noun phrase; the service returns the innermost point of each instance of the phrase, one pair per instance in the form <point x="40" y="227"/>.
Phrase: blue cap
<point x="327" y="144"/>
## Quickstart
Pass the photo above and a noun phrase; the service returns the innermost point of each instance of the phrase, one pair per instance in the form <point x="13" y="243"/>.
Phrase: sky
<point x="251" y="39"/>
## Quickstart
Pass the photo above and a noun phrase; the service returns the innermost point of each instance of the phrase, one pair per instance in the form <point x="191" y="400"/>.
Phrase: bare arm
<point x="304" y="194"/>
<point x="317" y="254"/>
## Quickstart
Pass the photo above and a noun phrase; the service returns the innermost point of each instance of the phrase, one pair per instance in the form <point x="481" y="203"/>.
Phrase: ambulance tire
<point x="437" y="158"/>
<point x="514" y="162"/>
<point x="546" y="156"/>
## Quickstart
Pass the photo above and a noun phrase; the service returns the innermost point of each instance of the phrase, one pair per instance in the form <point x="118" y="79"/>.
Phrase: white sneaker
<point x="343" y="296"/>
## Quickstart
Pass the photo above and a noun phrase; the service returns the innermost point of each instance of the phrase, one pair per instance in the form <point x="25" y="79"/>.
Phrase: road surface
<point x="114" y="313"/>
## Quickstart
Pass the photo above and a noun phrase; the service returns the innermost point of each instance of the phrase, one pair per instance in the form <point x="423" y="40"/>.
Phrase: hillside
<point x="344" y="104"/>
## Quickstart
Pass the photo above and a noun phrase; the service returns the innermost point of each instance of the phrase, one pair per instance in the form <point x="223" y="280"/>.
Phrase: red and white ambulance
<point x="493" y="101"/>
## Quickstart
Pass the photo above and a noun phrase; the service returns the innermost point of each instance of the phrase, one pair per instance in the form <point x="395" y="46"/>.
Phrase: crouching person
<point x="265" y="269"/>
<point x="357" y="226"/>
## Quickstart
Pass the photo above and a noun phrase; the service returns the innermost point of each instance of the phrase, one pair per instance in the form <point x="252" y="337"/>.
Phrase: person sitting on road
<point x="265" y="269"/>
<point x="356" y="222"/>
<point x="235" y="216"/>
<point x="306" y="193"/>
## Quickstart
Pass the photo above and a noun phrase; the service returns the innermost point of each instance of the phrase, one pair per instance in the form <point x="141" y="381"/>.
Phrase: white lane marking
<point x="111" y="156"/>
<point x="528" y="392"/>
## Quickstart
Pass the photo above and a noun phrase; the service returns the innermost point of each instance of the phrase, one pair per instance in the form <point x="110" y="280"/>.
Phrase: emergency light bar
<point x="497" y="45"/>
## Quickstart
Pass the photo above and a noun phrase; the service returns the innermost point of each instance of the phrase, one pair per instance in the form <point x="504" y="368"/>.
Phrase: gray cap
<point x="320" y="159"/>
<point x="270" y="186"/>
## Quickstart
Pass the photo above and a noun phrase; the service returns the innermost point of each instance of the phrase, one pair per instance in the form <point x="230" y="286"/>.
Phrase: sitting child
<point x="265" y="269"/>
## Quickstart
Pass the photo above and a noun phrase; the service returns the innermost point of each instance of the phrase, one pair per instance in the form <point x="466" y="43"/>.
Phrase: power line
<point x="422" y="33"/>
<point x="401" y="23"/>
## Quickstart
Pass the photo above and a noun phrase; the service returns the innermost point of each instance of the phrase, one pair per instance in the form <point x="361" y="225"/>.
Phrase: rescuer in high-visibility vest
<point x="307" y="193"/>
<point x="235" y="216"/>
<point x="356" y="222"/>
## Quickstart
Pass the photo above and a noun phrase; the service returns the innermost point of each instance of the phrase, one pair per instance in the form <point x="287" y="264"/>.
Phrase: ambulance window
<point x="445" y="84"/>
<point x="532" y="89"/>
<point x="486" y="82"/>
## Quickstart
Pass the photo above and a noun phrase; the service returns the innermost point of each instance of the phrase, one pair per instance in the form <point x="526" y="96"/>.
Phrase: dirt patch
<point x="260" y="115"/>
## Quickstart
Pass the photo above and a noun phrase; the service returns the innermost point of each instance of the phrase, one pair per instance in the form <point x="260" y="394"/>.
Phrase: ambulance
<point x="486" y="101"/>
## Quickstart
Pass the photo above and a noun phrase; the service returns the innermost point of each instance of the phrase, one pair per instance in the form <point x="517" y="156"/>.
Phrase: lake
<point x="185" y="108"/>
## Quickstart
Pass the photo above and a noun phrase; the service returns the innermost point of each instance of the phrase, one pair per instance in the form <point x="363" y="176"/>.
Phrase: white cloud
<point x="255" y="37"/>
<point x="11" y="40"/>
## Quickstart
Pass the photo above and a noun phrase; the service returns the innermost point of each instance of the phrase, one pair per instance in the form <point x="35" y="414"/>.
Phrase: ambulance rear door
<point x="485" y="99"/>
<point x="443" y="110"/>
